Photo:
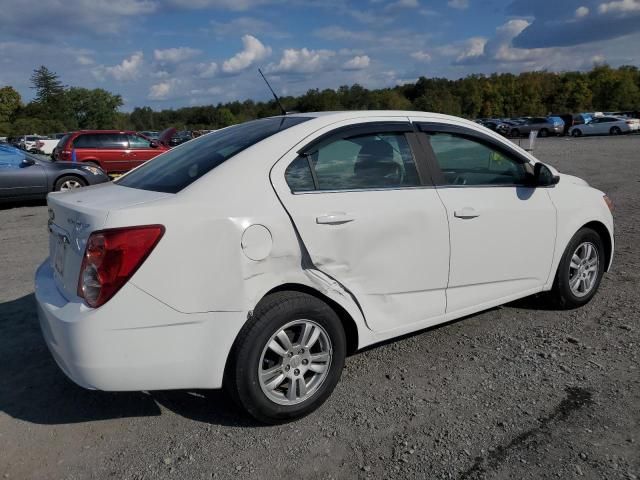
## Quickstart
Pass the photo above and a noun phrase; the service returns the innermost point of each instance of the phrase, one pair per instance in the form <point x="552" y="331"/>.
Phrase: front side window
<point x="465" y="161"/>
<point x="136" y="141"/>
<point x="176" y="169"/>
<point x="369" y="161"/>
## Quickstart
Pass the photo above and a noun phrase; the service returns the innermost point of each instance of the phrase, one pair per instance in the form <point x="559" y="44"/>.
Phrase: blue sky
<point x="169" y="53"/>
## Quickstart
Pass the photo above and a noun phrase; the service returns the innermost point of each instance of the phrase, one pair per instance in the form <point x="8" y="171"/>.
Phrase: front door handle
<point x="337" y="218"/>
<point x="466" y="212"/>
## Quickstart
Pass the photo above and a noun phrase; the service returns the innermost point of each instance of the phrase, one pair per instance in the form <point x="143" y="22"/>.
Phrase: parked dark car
<point x="180" y="137"/>
<point x="114" y="151"/>
<point x="497" y="126"/>
<point x="26" y="177"/>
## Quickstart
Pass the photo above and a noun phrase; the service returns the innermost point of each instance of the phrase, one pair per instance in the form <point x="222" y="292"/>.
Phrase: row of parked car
<point x="576" y="125"/>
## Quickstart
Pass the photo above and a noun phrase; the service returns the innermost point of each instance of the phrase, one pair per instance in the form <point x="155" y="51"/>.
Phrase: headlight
<point x="92" y="169"/>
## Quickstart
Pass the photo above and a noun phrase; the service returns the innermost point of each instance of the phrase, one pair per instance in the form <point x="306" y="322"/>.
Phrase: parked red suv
<point x="115" y="151"/>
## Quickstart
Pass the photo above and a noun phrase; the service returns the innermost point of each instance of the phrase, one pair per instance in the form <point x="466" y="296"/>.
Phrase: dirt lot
<point x="515" y="392"/>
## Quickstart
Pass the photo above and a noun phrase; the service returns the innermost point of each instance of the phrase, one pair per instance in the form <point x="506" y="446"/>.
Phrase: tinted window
<point x="136" y="141"/>
<point x="298" y="175"/>
<point x="86" y="141"/>
<point x="176" y="169"/>
<point x="113" y="140"/>
<point x="377" y="160"/>
<point x="464" y="161"/>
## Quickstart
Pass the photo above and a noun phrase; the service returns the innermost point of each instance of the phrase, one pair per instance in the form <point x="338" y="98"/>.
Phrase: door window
<point x="114" y="141"/>
<point x="86" y="141"/>
<point x="465" y="161"/>
<point x="136" y="141"/>
<point x="375" y="160"/>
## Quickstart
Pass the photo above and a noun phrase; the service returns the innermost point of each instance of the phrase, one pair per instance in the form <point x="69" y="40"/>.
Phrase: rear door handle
<point x="466" y="212"/>
<point x="334" y="218"/>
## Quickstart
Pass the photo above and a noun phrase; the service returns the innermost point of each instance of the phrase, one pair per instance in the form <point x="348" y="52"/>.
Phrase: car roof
<point x="103" y="131"/>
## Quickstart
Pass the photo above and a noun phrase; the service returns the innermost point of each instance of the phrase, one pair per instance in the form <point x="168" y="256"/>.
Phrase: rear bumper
<point x="134" y="342"/>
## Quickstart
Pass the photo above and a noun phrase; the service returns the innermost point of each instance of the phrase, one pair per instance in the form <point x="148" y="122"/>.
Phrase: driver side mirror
<point x="27" y="162"/>
<point x="543" y="176"/>
<point x="154" y="144"/>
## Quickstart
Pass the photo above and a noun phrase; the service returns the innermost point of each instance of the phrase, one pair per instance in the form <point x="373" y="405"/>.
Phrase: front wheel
<point x="580" y="270"/>
<point x="615" y="131"/>
<point x="287" y="359"/>
<point x="515" y="132"/>
<point x="576" y="133"/>
<point x="68" y="182"/>
<point x="543" y="133"/>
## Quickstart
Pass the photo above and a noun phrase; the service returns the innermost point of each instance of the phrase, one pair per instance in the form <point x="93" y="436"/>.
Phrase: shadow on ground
<point x="34" y="389"/>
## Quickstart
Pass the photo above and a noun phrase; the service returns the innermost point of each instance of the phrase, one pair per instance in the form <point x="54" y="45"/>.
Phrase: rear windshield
<point x="176" y="169"/>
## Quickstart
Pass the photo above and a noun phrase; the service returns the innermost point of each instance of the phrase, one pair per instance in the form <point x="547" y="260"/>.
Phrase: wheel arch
<point x="606" y="236"/>
<point x="348" y="323"/>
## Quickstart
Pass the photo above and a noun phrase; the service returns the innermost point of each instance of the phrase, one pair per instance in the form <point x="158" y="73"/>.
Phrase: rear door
<point x="369" y="217"/>
<point x="502" y="230"/>
<point x="115" y="152"/>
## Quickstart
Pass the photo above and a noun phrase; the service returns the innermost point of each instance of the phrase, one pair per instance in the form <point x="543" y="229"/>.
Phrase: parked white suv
<point x="256" y="257"/>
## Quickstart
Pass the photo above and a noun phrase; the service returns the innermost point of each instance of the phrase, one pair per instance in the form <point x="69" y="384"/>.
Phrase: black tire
<point x="275" y="311"/>
<point x="515" y="132"/>
<point x="68" y="178"/>
<point x="561" y="294"/>
<point x="543" y="133"/>
<point x="576" y="132"/>
<point x="615" y="131"/>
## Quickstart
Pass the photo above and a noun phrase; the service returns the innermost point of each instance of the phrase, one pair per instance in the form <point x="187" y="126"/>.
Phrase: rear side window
<point x="86" y="141"/>
<point x="464" y="161"/>
<point x="113" y="141"/>
<point x="369" y="161"/>
<point x="178" y="168"/>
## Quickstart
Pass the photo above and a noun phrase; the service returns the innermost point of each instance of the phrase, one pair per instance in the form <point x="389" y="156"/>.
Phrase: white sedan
<point x="256" y="257"/>
<point x="604" y="126"/>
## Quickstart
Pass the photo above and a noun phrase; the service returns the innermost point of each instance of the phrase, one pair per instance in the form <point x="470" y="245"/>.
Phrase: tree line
<point x="59" y="108"/>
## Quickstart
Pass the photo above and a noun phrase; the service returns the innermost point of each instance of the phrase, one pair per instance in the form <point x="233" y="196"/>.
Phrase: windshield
<point x="180" y="167"/>
<point x="12" y="157"/>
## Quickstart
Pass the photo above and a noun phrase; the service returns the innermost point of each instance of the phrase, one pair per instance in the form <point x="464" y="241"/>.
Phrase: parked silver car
<point x="544" y="125"/>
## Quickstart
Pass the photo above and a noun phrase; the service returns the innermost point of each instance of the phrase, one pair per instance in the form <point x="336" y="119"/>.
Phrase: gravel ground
<point x="515" y="392"/>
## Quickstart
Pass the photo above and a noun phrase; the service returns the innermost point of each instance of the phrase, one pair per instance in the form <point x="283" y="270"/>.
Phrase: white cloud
<point x="582" y="12"/>
<point x="175" y="55"/>
<point x="359" y="62"/>
<point x="473" y="48"/>
<point x="253" y="51"/>
<point x="421" y="56"/>
<point x="208" y="70"/>
<point x="458" y="4"/>
<point x="162" y="90"/>
<point x="84" y="60"/>
<point x="403" y="4"/>
<point x="236" y="5"/>
<point x="129" y="69"/>
<point x="620" y="6"/>
<point x="301" y="61"/>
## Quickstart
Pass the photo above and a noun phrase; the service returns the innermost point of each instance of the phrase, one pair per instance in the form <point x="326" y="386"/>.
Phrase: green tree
<point x="47" y="85"/>
<point x="91" y="109"/>
<point x="9" y="103"/>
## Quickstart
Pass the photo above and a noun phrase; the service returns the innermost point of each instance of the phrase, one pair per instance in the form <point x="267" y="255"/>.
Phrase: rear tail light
<point x="65" y="155"/>
<point x="112" y="257"/>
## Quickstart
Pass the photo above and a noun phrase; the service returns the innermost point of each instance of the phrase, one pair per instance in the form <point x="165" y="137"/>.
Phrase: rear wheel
<point x="615" y="131"/>
<point x="287" y="359"/>
<point x="68" y="182"/>
<point x="576" y="132"/>
<point x="580" y="270"/>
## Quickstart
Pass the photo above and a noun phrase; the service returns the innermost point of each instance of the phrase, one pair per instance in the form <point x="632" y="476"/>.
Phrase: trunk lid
<point x="74" y="215"/>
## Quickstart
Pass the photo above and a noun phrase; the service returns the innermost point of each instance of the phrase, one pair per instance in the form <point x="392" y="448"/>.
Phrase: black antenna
<point x="284" y="112"/>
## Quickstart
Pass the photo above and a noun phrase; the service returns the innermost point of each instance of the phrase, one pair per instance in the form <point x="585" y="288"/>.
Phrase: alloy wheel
<point x="584" y="269"/>
<point x="70" y="185"/>
<point x="295" y="362"/>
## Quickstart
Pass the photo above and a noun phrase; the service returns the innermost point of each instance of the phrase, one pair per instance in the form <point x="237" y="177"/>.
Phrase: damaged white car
<point x="256" y="257"/>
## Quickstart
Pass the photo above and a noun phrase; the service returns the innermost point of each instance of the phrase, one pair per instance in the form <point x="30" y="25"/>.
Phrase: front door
<point x="502" y="230"/>
<point x="369" y="220"/>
